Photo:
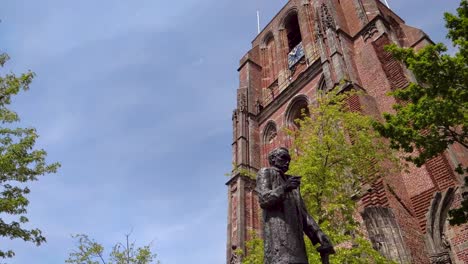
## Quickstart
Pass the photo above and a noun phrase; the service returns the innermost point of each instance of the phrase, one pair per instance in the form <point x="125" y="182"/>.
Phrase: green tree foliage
<point x="336" y="152"/>
<point x="254" y="248"/>
<point x="361" y="252"/>
<point x="88" y="251"/>
<point x="20" y="163"/>
<point x="433" y="113"/>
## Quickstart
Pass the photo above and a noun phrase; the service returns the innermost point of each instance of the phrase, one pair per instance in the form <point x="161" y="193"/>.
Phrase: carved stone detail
<point x="242" y="102"/>
<point x="271" y="136"/>
<point x="270" y="133"/>
<point x="437" y="244"/>
<point x="441" y="258"/>
<point x="369" y="31"/>
<point x="318" y="33"/>
<point x="327" y="18"/>
<point x="385" y="235"/>
<point x="234" y="237"/>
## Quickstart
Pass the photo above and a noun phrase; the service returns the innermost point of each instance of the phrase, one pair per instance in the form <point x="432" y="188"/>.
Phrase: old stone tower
<point x="315" y="45"/>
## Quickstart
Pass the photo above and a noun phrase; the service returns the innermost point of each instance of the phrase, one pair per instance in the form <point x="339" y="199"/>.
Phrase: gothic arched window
<point x="269" y="140"/>
<point x="293" y="30"/>
<point x="293" y="34"/>
<point x="269" y="59"/>
<point x="322" y="87"/>
<point x="297" y="109"/>
<point x="270" y="133"/>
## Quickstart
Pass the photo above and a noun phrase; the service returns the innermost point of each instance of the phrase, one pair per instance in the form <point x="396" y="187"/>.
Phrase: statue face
<point x="281" y="161"/>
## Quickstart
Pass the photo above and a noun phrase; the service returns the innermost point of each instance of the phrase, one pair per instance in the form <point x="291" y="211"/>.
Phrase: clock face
<point x="295" y="55"/>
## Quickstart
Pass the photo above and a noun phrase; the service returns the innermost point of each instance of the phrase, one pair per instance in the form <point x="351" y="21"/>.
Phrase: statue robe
<point x="285" y="219"/>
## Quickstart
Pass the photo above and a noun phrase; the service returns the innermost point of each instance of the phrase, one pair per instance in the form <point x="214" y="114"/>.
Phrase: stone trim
<point x="244" y="62"/>
<point x="436" y="240"/>
<point x="385" y="233"/>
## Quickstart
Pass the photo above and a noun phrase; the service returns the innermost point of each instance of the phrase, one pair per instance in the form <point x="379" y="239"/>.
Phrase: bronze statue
<point x="285" y="216"/>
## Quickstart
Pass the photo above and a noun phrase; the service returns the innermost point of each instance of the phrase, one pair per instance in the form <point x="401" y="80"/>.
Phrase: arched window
<point x="297" y="109"/>
<point x="269" y="59"/>
<point x="293" y="32"/>
<point x="270" y="133"/>
<point x="269" y="140"/>
<point x="322" y="88"/>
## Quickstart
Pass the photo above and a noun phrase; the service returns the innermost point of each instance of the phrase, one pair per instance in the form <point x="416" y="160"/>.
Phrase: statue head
<point x="279" y="158"/>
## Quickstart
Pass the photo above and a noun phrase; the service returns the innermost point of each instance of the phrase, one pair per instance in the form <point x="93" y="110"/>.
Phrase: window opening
<point x="293" y="31"/>
<point x="298" y="111"/>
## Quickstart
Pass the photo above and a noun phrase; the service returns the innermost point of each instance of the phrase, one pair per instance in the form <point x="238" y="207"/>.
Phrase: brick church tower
<point x="315" y="45"/>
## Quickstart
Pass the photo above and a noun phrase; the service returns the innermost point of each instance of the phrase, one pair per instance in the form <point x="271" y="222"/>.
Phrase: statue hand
<point x="326" y="246"/>
<point x="292" y="183"/>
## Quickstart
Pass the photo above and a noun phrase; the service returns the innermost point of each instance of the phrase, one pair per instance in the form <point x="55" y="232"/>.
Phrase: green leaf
<point x="20" y="163"/>
<point x="432" y="114"/>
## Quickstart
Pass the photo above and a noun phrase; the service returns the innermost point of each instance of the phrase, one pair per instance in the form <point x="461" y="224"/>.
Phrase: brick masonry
<point x="346" y="50"/>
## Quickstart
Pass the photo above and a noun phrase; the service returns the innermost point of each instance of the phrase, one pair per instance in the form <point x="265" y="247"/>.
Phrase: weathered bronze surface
<point x="285" y="216"/>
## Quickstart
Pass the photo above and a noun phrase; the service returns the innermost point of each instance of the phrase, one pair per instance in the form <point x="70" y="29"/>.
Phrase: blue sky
<point x="134" y="98"/>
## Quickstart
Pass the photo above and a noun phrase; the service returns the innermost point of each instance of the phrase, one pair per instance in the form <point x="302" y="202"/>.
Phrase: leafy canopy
<point x="254" y="248"/>
<point x="336" y="152"/>
<point x="88" y="251"/>
<point x="432" y="114"/>
<point x="20" y="163"/>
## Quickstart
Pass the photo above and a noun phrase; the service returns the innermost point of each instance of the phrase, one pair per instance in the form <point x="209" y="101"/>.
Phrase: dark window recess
<point x="293" y="31"/>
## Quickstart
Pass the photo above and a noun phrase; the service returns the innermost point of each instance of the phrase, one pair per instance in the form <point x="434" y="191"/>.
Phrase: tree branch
<point x="459" y="138"/>
<point x="102" y="258"/>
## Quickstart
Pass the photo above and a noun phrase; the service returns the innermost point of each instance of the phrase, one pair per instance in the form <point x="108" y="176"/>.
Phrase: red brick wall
<point x="412" y="235"/>
<point x="371" y="8"/>
<point x="269" y="62"/>
<point x="352" y="19"/>
<point x="441" y="172"/>
<point x="457" y="155"/>
<point x="339" y="14"/>
<point x="252" y="210"/>
<point x="377" y="196"/>
<point x="391" y="67"/>
<point x="373" y="78"/>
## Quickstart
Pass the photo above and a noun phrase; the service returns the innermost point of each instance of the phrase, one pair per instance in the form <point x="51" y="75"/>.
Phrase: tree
<point x="336" y="151"/>
<point x="90" y="252"/>
<point x="20" y="163"/>
<point x="432" y="114"/>
<point x="254" y="248"/>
